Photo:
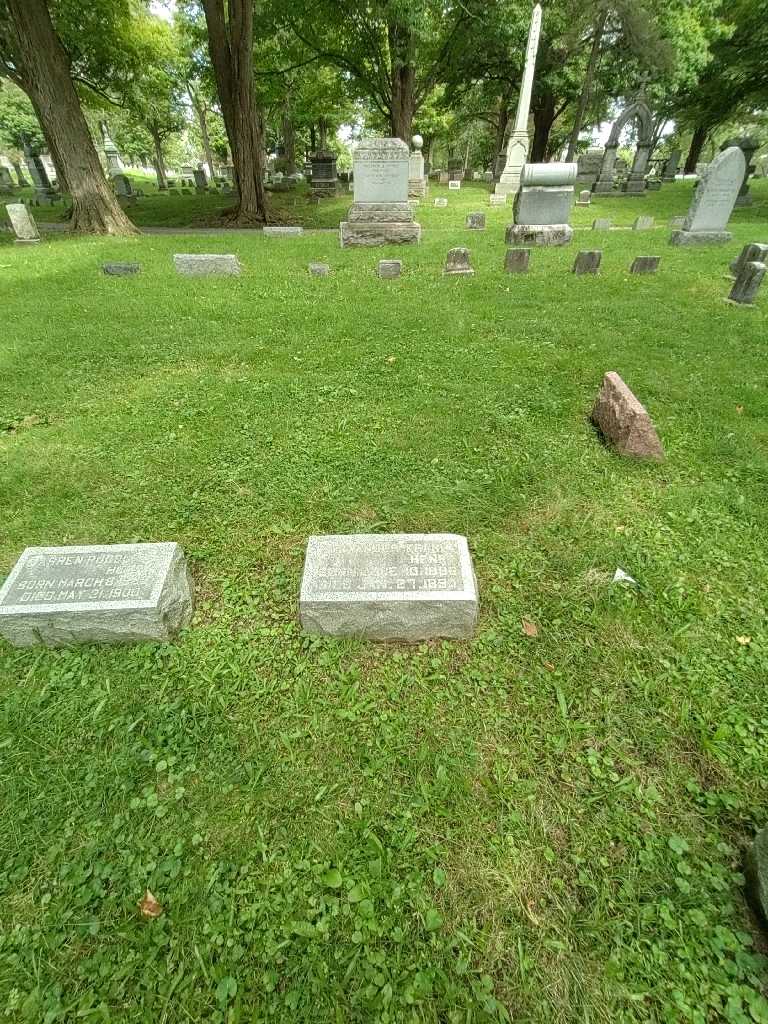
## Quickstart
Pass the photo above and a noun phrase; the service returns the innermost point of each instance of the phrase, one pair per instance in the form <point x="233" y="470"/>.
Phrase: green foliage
<point x="18" y="121"/>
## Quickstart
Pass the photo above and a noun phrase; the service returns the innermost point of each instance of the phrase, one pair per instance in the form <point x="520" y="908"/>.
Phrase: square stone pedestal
<point x="370" y="224"/>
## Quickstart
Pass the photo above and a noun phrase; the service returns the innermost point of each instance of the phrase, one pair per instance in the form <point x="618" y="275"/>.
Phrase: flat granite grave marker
<point x="389" y="268"/>
<point x="120" y="269"/>
<point x="23" y="223"/>
<point x="454" y="186"/>
<point x="102" y="593"/>
<point x="517" y="261"/>
<point x="441" y="201"/>
<point x="476" y="221"/>
<point x="645" y="264"/>
<point x="319" y="269"/>
<point x="624" y="422"/>
<point x="753" y="252"/>
<point x="587" y="261"/>
<point x="713" y="201"/>
<point x="457" y="261"/>
<point x="279" y="231"/>
<point x="747" y="284"/>
<point x="389" y="586"/>
<point x="643" y="223"/>
<point x="601" y="224"/>
<point x="205" y="264"/>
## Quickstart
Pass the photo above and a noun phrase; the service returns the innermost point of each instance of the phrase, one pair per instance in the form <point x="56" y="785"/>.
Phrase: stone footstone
<point x="476" y="221"/>
<point x="753" y="252"/>
<point x="319" y="269"/>
<point x="756" y="874"/>
<point x="645" y="265"/>
<point x="587" y="261"/>
<point x="684" y="237"/>
<point x="585" y="198"/>
<point x="538" y="234"/>
<point x="601" y="224"/>
<point x="454" y="186"/>
<point x="677" y="222"/>
<point x="497" y="200"/>
<point x="389" y="268"/>
<point x="643" y="224"/>
<point x="517" y="261"/>
<point x="441" y="202"/>
<point x="747" y="284"/>
<point x="23" y="223"/>
<point x="458" y="262"/>
<point x="409" y="587"/>
<point x="121" y="269"/>
<point x="205" y="264"/>
<point x="280" y="231"/>
<point x="624" y="422"/>
<point x="103" y="593"/>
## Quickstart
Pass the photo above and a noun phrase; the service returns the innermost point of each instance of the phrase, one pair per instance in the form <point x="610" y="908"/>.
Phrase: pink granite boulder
<point x="624" y="422"/>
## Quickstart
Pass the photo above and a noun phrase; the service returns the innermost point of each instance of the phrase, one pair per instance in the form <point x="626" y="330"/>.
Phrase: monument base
<point x="26" y="241"/>
<point x="700" y="237"/>
<point x="370" y="233"/>
<point x="602" y="187"/>
<point x="417" y="188"/>
<point x="539" y="234"/>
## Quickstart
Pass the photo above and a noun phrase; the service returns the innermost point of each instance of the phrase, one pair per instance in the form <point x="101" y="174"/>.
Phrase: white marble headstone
<point x="22" y="223"/>
<point x="380" y="171"/>
<point x="716" y="192"/>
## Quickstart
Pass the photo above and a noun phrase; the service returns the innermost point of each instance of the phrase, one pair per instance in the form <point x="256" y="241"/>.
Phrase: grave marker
<point x="587" y="261"/>
<point x="516" y="261"/>
<point x="713" y="201"/>
<point x="121" y="269"/>
<point x="380" y="213"/>
<point x="282" y="230"/>
<point x="23" y="224"/>
<point x="441" y="201"/>
<point x="753" y="252"/>
<point x="389" y="268"/>
<point x="624" y="422"/>
<point x="601" y="224"/>
<point x="408" y="587"/>
<point x="645" y="265"/>
<point x="458" y="262"/>
<point x="454" y="185"/>
<point x="643" y="223"/>
<point x="205" y="264"/>
<point x="476" y="221"/>
<point x="103" y="593"/>
<point x="747" y="284"/>
<point x="319" y="269"/>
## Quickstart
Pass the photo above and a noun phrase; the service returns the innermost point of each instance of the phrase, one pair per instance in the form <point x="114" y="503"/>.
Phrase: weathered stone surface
<point x="104" y="593"/>
<point x="645" y="264"/>
<point x="205" y="264"/>
<point x="544" y="205"/>
<point x="390" y="268"/>
<point x="380" y="213"/>
<point x="454" y="185"/>
<point x="408" y="587"/>
<point x="587" y="261"/>
<point x="676" y="222"/>
<point x="380" y="168"/>
<point x="585" y="198"/>
<point x="497" y="200"/>
<point x="601" y="224"/>
<point x="319" y="269"/>
<point x="516" y="261"/>
<point x="713" y="201"/>
<point x="476" y="221"/>
<point x="747" y="284"/>
<point x="22" y="222"/>
<point x="382" y="233"/>
<point x="458" y="262"/>
<point x="538" y="234"/>
<point x="555" y="173"/>
<point x="643" y="224"/>
<point x="441" y="201"/>
<point x="756" y="873"/>
<point x="121" y="269"/>
<point x="753" y="252"/>
<point x="278" y="231"/>
<point x="624" y="422"/>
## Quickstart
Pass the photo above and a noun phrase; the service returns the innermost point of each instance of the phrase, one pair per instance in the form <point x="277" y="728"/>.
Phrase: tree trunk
<point x="500" y="140"/>
<point x="543" y="119"/>
<point x="158" y="161"/>
<point x="586" y="90"/>
<point x="403" y="81"/>
<point x="323" y="135"/>
<point x="289" y="137"/>
<point x="202" y="120"/>
<point x="694" y="153"/>
<point x="312" y="139"/>
<point x="45" y="76"/>
<point x="230" y="43"/>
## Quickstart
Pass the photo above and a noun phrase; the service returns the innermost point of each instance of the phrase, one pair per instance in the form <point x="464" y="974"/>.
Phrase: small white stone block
<point x="205" y="264"/>
<point x="395" y="586"/>
<point x="494" y="200"/>
<point x="454" y="186"/>
<point x="279" y="232"/>
<point x="102" y="593"/>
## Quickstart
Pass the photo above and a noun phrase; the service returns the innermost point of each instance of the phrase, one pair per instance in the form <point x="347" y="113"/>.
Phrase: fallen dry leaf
<point x="528" y="908"/>
<point x="529" y="628"/>
<point x="743" y="640"/>
<point x="149" y="906"/>
<point x="549" y="666"/>
<point x="739" y="409"/>
<point x="391" y="359"/>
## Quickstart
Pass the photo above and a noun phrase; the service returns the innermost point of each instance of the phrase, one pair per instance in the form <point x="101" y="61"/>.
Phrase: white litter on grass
<point x="622" y="577"/>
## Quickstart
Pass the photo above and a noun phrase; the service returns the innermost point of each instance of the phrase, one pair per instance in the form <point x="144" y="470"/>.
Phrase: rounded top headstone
<point x="417" y="141"/>
<point x="549" y="174"/>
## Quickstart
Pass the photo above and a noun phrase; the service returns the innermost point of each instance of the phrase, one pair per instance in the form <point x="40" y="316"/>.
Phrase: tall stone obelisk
<point x="517" y="147"/>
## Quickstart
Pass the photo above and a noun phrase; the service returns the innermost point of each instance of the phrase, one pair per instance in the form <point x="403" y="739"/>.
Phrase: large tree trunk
<point x="694" y="153"/>
<point x="45" y="76"/>
<point x="402" y="81"/>
<point x="586" y="89"/>
<point x="202" y="121"/>
<point x="543" y="119"/>
<point x="230" y="43"/>
<point x="289" y="137"/>
<point x="158" y="161"/>
<point x="500" y="140"/>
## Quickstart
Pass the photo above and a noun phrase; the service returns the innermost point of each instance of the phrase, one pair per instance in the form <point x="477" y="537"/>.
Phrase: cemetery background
<point x="548" y="818"/>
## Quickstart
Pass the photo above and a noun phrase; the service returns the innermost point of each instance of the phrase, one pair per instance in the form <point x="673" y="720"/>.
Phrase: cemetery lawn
<point x="544" y="824"/>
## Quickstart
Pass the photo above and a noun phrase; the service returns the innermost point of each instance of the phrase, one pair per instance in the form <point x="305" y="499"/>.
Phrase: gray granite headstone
<point x="753" y="252"/>
<point x="747" y="284"/>
<point x="389" y="268"/>
<point x="458" y="262"/>
<point x="516" y="261"/>
<point x="103" y="593"/>
<point x="601" y="224"/>
<point x="585" y="197"/>
<point x="278" y="232"/>
<point x="389" y="587"/>
<point x="713" y="201"/>
<point x="23" y="223"/>
<point x="643" y="223"/>
<point x="476" y="221"/>
<point x="205" y="264"/>
<point x="380" y="214"/>
<point x="587" y="261"/>
<point x="319" y="269"/>
<point x="645" y="264"/>
<point x="121" y="269"/>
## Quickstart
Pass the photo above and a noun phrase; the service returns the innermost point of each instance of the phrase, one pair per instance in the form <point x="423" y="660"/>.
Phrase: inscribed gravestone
<point x="389" y="587"/>
<point x="747" y="284"/>
<point x="713" y="201"/>
<point x="105" y="593"/>
<point x="205" y="264"/>
<point x="380" y="212"/>
<point x="458" y="262"/>
<point x="23" y="223"/>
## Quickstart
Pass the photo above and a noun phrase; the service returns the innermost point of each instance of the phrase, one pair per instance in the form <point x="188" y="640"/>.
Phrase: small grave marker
<point x="458" y="262"/>
<point x="121" y="269"/>
<point x="494" y="200"/>
<point x="23" y="224"/>
<point x="645" y="265"/>
<point x="643" y="223"/>
<point x="476" y="221"/>
<point x="753" y="252"/>
<point x="624" y="422"/>
<point x="206" y="264"/>
<point x="319" y="269"/>
<point x="585" y="198"/>
<point x="517" y="261"/>
<point x="601" y="224"/>
<point x="454" y="186"/>
<point x="747" y="284"/>
<point x="389" y="587"/>
<point x="390" y="268"/>
<point x="279" y="231"/>
<point x="587" y="261"/>
<point x="441" y="202"/>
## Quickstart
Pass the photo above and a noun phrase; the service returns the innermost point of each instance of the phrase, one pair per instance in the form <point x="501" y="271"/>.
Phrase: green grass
<point x="542" y="829"/>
